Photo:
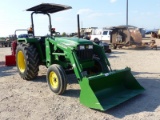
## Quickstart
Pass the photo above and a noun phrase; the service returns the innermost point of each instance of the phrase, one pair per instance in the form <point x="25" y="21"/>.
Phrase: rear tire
<point x="56" y="79"/>
<point x="27" y="61"/>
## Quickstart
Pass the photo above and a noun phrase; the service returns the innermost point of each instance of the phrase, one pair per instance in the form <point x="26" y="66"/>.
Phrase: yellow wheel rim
<point x="53" y="79"/>
<point x="21" y="62"/>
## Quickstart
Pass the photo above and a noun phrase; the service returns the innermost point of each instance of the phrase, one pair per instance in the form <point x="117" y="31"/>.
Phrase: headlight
<point x="81" y="47"/>
<point x="90" y="47"/>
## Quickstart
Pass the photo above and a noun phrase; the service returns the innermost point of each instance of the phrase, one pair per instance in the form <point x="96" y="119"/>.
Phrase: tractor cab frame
<point x="46" y="9"/>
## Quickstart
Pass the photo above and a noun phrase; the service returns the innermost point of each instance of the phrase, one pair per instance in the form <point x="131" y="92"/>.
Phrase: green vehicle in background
<point x="101" y="87"/>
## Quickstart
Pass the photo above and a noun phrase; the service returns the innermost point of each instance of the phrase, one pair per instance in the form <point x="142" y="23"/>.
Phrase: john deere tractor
<point x="101" y="87"/>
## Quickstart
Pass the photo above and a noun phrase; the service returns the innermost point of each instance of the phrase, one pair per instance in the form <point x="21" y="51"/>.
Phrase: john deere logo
<point x="87" y="46"/>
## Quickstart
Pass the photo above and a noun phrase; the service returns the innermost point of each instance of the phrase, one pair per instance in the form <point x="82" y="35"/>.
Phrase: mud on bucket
<point x="105" y="91"/>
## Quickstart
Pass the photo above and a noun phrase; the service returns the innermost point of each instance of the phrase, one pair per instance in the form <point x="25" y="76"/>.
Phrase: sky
<point x="93" y="13"/>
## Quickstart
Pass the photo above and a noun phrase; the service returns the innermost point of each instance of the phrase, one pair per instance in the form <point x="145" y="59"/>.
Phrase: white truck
<point x="101" y="35"/>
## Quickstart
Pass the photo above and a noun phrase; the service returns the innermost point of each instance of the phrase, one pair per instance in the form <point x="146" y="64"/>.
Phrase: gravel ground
<point x="33" y="100"/>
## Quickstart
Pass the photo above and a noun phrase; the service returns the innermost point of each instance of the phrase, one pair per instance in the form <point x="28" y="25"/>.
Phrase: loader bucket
<point x="107" y="90"/>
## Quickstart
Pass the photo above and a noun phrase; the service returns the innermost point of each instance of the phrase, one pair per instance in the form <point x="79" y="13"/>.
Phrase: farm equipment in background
<point x="101" y="87"/>
<point x="158" y="34"/>
<point x="125" y="36"/>
<point x="5" y="42"/>
<point x="131" y="37"/>
<point x="10" y="59"/>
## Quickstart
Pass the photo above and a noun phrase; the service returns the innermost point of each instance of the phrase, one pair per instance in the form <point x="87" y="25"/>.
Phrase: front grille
<point x="85" y="54"/>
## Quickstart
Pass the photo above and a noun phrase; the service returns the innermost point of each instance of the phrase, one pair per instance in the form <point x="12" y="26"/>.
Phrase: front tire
<point x="56" y="79"/>
<point x="27" y="61"/>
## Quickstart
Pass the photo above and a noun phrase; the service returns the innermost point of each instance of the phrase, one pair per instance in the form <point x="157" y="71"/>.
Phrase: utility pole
<point x="127" y="13"/>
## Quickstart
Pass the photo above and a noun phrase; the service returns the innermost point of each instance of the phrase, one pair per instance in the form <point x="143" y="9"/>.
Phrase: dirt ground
<point x="33" y="100"/>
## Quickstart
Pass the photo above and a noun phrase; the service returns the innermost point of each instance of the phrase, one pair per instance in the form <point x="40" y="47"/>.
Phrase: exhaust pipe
<point x="78" y="25"/>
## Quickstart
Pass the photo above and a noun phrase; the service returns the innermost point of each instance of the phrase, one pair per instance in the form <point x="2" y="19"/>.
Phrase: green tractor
<point x="101" y="87"/>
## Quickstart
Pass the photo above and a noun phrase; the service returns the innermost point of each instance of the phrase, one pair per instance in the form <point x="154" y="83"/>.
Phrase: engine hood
<point x="72" y="41"/>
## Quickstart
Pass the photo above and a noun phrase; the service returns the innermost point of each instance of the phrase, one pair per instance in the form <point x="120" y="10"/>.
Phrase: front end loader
<point x="101" y="87"/>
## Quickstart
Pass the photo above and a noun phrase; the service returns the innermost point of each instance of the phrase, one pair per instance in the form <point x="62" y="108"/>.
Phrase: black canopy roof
<point x="48" y="8"/>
